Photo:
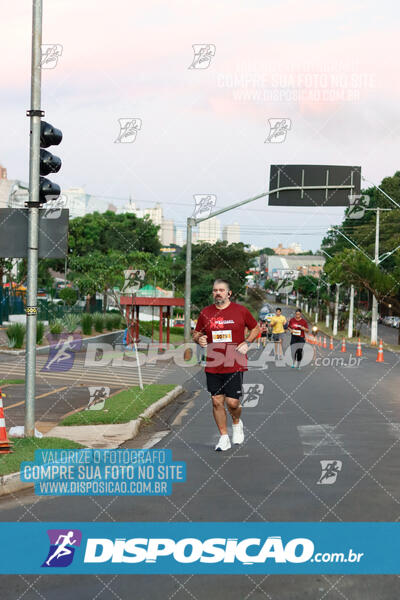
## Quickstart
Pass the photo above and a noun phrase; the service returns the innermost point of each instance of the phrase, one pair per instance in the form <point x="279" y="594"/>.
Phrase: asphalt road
<point x="348" y="413"/>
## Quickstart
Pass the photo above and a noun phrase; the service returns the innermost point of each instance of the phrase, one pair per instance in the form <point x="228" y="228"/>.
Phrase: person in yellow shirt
<point x="277" y="323"/>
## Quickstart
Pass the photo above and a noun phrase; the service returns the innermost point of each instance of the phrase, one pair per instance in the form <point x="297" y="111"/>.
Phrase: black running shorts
<point x="229" y="384"/>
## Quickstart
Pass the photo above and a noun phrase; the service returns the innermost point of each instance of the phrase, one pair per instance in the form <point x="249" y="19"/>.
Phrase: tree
<point x="101" y="273"/>
<point x="306" y="285"/>
<point x="352" y="267"/>
<point x="45" y="279"/>
<point x="212" y="261"/>
<point x="110" y="231"/>
<point x="270" y="284"/>
<point x="69" y="296"/>
<point x="267" y="251"/>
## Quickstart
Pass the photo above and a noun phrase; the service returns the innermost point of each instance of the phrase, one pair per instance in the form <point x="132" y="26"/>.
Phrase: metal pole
<point x="188" y="280"/>
<point x="328" y="308"/>
<point x="374" y="318"/>
<point x="317" y="307"/>
<point x="34" y="172"/>
<point x="335" y="320"/>
<point x="351" y="315"/>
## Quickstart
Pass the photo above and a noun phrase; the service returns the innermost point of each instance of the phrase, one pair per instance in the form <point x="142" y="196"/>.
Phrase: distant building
<point x="179" y="239"/>
<point x="13" y="193"/>
<point x="3" y="172"/>
<point x="291" y="267"/>
<point x="167" y="232"/>
<point x="77" y="201"/>
<point x="155" y="214"/>
<point x="209" y="231"/>
<point x="231" y="233"/>
<point x="292" y="249"/>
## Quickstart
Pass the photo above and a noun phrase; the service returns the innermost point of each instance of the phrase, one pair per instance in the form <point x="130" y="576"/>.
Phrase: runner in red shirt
<point x="221" y="327"/>
<point x="297" y="327"/>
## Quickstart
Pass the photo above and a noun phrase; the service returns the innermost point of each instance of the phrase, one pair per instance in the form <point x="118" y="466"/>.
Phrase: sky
<point x="329" y="68"/>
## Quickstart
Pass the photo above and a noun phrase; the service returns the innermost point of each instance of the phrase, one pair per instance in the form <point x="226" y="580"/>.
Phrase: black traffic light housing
<point x="49" y="163"/>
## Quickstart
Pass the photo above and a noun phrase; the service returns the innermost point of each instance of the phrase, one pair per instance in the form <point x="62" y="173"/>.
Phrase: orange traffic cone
<point x="359" y="351"/>
<point x="320" y="342"/>
<point x="324" y="342"/>
<point x="5" y="445"/>
<point x="331" y="344"/>
<point x="343" y="348"/>
<point x="379" y="358"/>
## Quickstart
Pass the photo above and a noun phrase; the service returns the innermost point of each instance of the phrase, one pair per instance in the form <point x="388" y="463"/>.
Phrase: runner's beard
<point x="219" y="301"/>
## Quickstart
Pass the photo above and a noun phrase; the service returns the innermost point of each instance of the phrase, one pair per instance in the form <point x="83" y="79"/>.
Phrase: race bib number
<point x="222" y="335"/>
<point x="296" y="332"/>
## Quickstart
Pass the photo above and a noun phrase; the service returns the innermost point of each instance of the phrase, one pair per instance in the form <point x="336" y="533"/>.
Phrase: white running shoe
<point x="237" y="433"/>
<point x="224" y="443"/>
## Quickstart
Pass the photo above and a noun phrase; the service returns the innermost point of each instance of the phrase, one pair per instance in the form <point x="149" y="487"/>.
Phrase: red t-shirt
<point x="293" y="323"/>
<point x="224" y="328"/>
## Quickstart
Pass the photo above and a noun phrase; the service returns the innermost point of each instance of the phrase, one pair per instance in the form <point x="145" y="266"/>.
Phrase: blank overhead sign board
<point x="313" y="185"/>
<point x="53" y="232"/>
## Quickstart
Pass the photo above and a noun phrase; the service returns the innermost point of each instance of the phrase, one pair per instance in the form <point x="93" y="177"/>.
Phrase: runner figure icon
<point x="61" y="355"/>
<point x="62" y="549"/>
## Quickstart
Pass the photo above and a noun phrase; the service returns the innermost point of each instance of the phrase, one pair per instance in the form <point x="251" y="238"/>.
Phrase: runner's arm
<point x="196" y="335"/>
<point x="253" y="334"/>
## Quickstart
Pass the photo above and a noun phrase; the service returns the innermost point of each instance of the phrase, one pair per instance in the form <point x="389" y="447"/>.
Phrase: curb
<point x="106" y="436"/>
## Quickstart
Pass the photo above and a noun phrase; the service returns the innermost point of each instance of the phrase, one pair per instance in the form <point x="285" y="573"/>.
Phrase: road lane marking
<point x="320" y="440"/>
<point x="37" y="397"/>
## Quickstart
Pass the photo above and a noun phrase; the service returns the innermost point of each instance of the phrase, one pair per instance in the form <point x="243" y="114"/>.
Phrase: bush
<point x="109" y="322"/>
<point x="98" y="321"/>
<point x="69" y="296"/>
<point x="39" y="332"/>
<point x="71" y="322"/>
<point x="56" y="326"/>
<point x="117" y="321"/>
<point x="87" y="323"/>
<point x="16" y="335"/>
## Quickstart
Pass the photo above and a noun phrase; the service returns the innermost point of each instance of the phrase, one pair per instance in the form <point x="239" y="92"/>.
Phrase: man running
<point x="221" y="327"/>
<point x="297" y="327"/>
<point x="277" y="323"/>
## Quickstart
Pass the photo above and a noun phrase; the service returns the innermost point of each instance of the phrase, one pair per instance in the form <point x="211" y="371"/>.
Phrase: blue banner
<point x="203" y="548"/>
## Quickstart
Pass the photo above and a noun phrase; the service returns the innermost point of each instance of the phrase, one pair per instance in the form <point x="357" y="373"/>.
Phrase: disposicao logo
<point x="62" y="547"/>
<point x="191" y="550"/>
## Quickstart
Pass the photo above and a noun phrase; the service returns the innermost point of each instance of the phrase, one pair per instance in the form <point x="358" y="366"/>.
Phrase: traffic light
<point x="49" y="136"/>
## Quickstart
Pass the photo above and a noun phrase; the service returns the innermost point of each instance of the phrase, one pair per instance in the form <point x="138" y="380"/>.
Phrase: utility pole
<point x="335" y="320"/>
<point x="317" y="307"/>
<point x="351" y="313"/>
<point x="328" y="309"/>
<point x="374" y="316"/>
<point x="192" y="222"/>
<point x="33" y="211"/>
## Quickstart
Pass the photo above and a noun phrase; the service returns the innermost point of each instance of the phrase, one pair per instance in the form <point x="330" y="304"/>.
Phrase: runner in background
<point x="221" y="328"/>
<point x="297" y="327"/>
<point x="259" y="335"/>
<point x="278" y="323"/>
<point x="264" y="332"/>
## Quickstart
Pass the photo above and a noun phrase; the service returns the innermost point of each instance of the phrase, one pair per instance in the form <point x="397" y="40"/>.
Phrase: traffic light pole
<point x="33" y="214"/>
<point x="192" y="222"/>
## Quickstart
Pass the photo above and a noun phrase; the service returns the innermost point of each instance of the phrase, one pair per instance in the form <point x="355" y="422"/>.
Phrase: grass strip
<point x="121" y="408"/>
<point x="24" y="449"/>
